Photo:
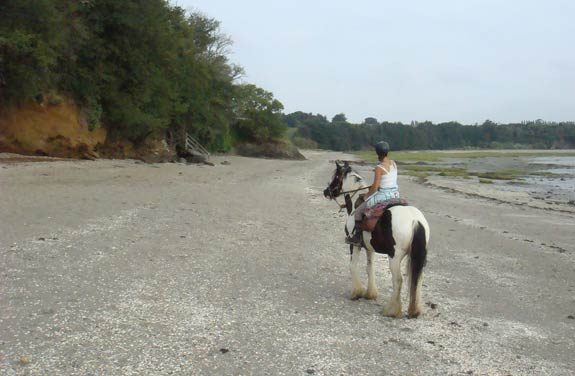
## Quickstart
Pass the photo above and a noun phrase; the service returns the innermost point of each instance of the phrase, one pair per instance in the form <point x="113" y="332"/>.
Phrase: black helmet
<point x="381" y="147"/>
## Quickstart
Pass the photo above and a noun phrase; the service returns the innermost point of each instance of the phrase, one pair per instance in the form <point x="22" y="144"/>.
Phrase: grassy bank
<point x="423" y="164"/>
<point x="438" y="155"/>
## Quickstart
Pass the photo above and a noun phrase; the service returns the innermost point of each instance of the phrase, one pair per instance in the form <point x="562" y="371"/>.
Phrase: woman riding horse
<point x="401" y="232"/>
<point x="384" y="188"/>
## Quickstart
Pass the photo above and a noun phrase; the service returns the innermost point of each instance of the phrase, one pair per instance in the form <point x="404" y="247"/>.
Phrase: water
<point x="558" y="161"/>
<point x="558" y="187"/>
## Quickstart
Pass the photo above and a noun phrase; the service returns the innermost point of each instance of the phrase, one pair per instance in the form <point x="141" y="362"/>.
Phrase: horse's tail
<point x="418" y="258"/>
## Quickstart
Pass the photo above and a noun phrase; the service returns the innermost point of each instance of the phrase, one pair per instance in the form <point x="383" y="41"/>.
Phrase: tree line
<point x="136" y="67"/>
<point x="142" y="67"/>
<point x="315" y="130"/>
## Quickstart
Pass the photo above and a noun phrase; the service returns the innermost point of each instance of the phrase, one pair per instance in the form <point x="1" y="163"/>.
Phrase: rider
<point x="384" y="188"/>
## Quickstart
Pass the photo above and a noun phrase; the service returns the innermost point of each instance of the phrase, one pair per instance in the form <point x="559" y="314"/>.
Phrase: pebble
<point x="24" y="360"/>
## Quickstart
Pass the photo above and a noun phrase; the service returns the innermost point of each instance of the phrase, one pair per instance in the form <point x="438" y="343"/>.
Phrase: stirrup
<point x="354" y="240"/>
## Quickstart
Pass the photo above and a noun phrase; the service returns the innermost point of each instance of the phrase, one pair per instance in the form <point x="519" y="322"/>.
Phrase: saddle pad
<point x="372" y="215"/>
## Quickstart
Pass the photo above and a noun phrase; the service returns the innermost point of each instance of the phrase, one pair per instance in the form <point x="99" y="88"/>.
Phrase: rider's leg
<point x="355" y="237"/>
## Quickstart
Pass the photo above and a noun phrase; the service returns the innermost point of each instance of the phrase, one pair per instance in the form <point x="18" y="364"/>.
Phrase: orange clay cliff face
<point x="43" y="129"/>
<point x="60" y="130"/>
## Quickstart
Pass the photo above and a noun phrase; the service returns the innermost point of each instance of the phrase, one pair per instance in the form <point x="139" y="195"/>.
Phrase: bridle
<point x="346" y="193"/>
<point x="348" y="197"/>
<point x="333" y="189"/>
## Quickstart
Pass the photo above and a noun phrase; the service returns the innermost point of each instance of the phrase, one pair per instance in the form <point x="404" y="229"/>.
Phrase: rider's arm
<point x="376" y="180"/>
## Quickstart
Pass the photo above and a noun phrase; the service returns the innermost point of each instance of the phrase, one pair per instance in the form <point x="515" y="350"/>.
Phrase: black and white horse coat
<point x="401" y="231"/>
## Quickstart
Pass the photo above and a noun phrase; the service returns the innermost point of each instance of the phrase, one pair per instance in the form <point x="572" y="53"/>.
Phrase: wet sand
<point x="117" y="267"/>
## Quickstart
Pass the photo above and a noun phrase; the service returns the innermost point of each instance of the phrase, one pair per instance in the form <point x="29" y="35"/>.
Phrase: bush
<point x="304" y="143"/>
<point x="274" y="150"/>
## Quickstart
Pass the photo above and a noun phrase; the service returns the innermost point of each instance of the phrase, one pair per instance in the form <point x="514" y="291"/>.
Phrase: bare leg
<point x="357" y="290"/>
<point x="358" y="214"/>
<point x="371" y="292"/>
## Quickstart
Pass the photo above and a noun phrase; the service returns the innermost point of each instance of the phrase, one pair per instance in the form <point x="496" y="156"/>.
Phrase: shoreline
<point x="483" y="191"/>
<point x="541" y="179"/>
<point x="470" y="188"/>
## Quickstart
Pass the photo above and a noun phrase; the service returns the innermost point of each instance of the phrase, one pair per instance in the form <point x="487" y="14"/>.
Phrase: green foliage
<point x="304" y="143"/>
<point x="93" y="113"/>
<point x="499" y="174"/>
<point x="258" y="114"/>
<point x="435" y="156"/>
<point x="30" y="37"/>
<point x="370" y="121"/>
<point x="339" y="118"/>
<point x="135" y="66"/>
<point x="341" y="135"/>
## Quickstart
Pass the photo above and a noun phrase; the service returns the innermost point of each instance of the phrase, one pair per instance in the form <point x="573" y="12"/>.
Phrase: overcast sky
<point x="464" y="60"/>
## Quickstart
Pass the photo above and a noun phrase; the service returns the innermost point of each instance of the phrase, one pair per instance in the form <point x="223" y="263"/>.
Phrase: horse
<point x="401" y="231"/>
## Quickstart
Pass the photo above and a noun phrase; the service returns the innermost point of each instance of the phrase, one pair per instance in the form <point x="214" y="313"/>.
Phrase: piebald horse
<point x="401" y="231"/>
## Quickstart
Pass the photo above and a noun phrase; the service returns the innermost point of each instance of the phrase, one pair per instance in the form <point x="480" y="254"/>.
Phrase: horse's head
<point x="340" y="177"/>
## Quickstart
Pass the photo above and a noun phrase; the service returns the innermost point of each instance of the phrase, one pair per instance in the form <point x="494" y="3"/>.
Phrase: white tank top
<point x="388" y="180"/>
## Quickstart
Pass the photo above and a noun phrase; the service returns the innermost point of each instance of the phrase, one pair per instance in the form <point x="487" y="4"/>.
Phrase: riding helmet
<point x="381" y="147"/>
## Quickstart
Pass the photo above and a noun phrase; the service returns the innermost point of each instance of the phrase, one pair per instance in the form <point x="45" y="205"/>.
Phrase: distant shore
<point x="543" y="179"/>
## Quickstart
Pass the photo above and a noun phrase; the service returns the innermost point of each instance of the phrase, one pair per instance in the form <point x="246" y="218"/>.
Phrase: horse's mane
<point x="347" y="171"/>
<point x="358" y="177"/>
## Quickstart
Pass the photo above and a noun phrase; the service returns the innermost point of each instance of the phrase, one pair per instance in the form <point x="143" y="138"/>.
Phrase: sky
<point x="442" y="60"/>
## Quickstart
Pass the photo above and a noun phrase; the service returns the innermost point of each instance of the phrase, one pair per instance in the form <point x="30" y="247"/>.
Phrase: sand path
<point x="115" y="267"/>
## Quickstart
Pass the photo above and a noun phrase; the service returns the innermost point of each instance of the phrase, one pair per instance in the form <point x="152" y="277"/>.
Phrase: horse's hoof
<point x="392" y="312"/>
<point x="357" y="294"/>
<point x="414" y="313"/>
<point x="370" y="295"/>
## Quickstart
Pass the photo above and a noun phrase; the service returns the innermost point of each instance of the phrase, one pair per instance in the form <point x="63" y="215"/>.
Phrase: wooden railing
<point x="194" y="147"/>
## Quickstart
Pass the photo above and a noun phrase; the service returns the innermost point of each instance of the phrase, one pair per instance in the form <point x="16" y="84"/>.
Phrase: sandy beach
<point x="116" y="267"/>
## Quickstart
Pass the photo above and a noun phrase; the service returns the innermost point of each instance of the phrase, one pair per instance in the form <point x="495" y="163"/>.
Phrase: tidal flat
<point x="540" y="178"/>
<point x="118" y="267"/>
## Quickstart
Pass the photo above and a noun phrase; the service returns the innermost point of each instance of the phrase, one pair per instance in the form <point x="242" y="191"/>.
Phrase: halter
<point x="348" y="195"/>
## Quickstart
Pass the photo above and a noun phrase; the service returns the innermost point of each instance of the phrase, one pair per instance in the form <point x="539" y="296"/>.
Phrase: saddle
<point x="373" y="214"/>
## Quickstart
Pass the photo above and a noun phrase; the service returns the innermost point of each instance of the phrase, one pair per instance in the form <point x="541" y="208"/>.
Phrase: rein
<point x="343" y="206"/>
<point x="355" y="190"/>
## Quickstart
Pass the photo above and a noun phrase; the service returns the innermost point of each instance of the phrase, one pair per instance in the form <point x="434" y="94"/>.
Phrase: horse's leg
<point x="371" y="292"/>
<point x="393" y="307"/>
<point x="417" y="258"/>
<point x="414" y="309"/>
<point x="357" y="290"/>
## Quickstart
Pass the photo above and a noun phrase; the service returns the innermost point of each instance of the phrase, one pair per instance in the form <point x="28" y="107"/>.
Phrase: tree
<point x="258" y="114"/>
<point x="370" y="121"/>
<point x="136" y="67"/>
<point x="339" y="118"/>
<point x="32" y="34"/>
